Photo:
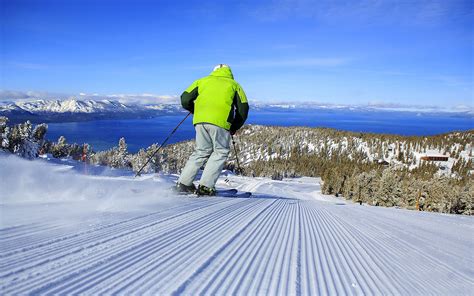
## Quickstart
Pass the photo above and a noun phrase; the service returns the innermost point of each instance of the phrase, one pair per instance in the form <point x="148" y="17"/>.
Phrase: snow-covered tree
<point x="389" y="191"/>
<point x="40" y="131"/>
<point x="120" y="155"/>
<point x="60" y="148"/>
<point x="439" y="195"/>
<point x="22" y="141"/>
<point x="117" y="157"/>
<point x="4" y="132"/>
<point x="466" y="200"/>
<point x="139" y="159"/>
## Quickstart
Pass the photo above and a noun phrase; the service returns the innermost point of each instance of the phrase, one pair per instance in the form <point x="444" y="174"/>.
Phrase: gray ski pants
<point x="213" y="145"/>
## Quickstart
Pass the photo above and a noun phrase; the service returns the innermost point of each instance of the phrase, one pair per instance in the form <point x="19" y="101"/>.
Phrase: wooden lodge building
<point x="435" y="158"/>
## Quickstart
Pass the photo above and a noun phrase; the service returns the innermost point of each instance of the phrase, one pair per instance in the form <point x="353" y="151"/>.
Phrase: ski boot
<point x="185" y="189"/>
<point x="203" y="190"/>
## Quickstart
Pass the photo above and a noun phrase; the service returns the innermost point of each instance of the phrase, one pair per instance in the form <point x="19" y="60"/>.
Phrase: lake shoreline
<point x="141" y="133"/>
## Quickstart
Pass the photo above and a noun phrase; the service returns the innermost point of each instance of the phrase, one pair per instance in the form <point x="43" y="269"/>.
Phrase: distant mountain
<point x="458" y="110"/>
<point x="73" y="109"/>
<point x="80" y="110"/>
<point x="74" y="106"/>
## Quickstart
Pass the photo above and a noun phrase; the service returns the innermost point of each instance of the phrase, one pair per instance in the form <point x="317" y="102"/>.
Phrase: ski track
<point x="262" y="245"/>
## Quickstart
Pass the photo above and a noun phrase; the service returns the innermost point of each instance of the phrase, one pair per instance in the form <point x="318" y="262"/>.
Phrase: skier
<point x="219" y="108"/>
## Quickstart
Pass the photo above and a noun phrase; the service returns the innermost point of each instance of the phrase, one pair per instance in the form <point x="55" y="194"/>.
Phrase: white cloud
<point x="28" y="66"/>
<point x="144" y="98"/>
<point x="12" y="95"/>
<point x="274" y="63"/>
<point x="364" y="11"/>
<point x="455" y="81"/>
<point x="304" y="62"/>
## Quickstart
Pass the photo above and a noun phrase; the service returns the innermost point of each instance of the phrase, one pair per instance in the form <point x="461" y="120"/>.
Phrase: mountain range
<point x="80" y="110"/>
<point x="73" y="109"/>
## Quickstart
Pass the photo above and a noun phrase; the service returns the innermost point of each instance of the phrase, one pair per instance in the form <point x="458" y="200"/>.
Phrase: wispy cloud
<point x="139" y="98"/>
<point x="145" y="98"/>
<point x="455" y="81"/>
<point x="13" y="95"/>
<point x="28" y="66"/>
<point x="276" y="63"/>
<point x="448" y="80"/>
<point x="366" y="11"/>
<point x="304" y="62"/>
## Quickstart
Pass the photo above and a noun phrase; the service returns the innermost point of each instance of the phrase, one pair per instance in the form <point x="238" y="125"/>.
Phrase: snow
<point x="66" y="232"/>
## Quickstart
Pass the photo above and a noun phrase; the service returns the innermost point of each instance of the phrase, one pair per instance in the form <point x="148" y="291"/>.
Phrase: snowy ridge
<point x="297" y="242"/>
<point x="73" y="106"/>
<point x="60" y="106"/>
<point x="128" y="103"/>
<point x="77" y="106"/>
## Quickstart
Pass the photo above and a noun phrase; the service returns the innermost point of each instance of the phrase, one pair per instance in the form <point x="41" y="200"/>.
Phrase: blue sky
<point x="343" y="52"/>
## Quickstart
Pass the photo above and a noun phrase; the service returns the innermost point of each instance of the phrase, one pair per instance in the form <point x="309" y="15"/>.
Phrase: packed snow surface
<point x="65" y="229"/>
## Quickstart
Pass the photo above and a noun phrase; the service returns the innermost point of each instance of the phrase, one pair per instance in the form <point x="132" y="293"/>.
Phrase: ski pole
<point x="161" y="146"/>
<point x="239" y="169"/>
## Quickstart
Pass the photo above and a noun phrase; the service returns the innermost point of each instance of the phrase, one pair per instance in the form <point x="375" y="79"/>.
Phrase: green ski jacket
<point x="217" y="99"/>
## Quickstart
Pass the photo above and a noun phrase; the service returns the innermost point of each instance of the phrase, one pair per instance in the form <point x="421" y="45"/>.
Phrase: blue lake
<point x="141" y="133"/>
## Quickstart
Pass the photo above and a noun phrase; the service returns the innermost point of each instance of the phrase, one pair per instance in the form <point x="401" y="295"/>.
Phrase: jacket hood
<point x="223" y="72"/>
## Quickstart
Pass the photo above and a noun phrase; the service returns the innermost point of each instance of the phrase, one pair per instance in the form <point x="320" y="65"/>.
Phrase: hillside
<point x="263" y="149"/>
<point x="432" y="173"/>
<point x="378" y="169"/>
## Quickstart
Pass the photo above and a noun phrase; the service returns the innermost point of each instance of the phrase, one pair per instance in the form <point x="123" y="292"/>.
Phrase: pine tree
<point x="466" y="199"/>
<point x="119" y="155"/>
<point x="40" y="131"/>
<point x="4" y="133"/>
<point x="388" y="189"/>
<point x="438" y="193"/>
<point x="21" y="141"/>
<point x="60" y="149"/>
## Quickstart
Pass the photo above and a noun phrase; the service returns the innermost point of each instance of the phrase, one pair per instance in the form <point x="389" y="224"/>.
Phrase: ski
<point x="235" y="195"/>
<point x="227" y="191"/>
<point x="222" y="193"/>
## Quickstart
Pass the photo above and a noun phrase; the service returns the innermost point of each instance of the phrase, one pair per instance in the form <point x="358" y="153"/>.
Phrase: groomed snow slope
<point x="66" y="233"/>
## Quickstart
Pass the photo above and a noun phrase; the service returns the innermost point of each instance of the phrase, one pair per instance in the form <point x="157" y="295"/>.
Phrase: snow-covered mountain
<point x="284" y="106"/>
<point x="74" y="106"/>
<point x="75" y="109"/>
<point x="116" y="105"/>
<point x="77" y="106"/>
